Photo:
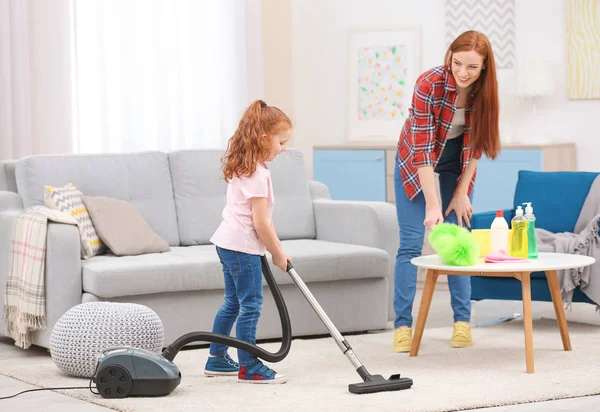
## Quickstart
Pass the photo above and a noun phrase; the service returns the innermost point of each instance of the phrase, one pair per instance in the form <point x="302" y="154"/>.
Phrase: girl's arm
<point x="264" y="228"/>
<point x="266" y="232"/>
<point x="274" y="231"/>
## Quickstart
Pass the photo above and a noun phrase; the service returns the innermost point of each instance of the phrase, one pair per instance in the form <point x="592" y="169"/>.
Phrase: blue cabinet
<point x="352" y="174"/>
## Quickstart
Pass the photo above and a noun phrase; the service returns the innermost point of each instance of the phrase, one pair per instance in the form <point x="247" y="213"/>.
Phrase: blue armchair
<point x="557" y="198"/>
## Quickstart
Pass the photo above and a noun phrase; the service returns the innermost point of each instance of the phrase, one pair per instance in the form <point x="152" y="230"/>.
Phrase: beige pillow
<point x="68" y="199"/>
<point x="122" y="227"/>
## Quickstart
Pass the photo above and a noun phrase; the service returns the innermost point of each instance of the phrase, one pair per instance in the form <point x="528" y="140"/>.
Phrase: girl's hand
<point x="281" y="259"/>
<point x="462" y="207"/>
<point x="433" y="216"/>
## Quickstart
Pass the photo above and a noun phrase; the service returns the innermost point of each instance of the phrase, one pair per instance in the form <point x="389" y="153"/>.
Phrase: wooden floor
<point x="484" y="313"/>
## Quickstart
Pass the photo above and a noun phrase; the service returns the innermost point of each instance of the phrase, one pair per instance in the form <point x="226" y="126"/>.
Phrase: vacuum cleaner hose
<point x="171" y="351"/>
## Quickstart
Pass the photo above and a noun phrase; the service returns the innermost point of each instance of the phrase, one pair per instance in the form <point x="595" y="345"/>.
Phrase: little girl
<point x="243" y="236"/>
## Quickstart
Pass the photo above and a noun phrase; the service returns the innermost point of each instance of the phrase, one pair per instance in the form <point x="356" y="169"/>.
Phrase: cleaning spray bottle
<point x="532" y="249"/>
<point x="518" y="247"/>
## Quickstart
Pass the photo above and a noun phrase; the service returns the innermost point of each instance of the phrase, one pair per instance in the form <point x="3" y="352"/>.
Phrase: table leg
<point x="428" y="289"/>
<point x="558" y="308"/>
<point x="527" y="321"/>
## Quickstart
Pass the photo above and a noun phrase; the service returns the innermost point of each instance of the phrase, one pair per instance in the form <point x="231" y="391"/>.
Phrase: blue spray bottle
<point x="532" y="248"/>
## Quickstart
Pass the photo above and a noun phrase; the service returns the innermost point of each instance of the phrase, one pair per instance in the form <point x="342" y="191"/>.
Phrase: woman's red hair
<point x="485" y="135"/>
<point x="251" y="142"/>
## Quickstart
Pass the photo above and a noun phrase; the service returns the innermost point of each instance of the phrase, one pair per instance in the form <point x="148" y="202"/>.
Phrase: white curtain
<point x="15" y="81"/>
<point x="158" y="74"/>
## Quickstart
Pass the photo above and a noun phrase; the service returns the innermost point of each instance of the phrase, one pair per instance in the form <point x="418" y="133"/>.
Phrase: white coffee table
<point x="546" y="262"/>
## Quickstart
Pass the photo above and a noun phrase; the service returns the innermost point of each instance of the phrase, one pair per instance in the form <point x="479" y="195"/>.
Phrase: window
<point x="157" y="74"/>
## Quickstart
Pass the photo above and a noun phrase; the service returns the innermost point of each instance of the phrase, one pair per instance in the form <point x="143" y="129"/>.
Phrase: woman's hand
<point x="433" y="216"/>
<point x="462" y="207"/>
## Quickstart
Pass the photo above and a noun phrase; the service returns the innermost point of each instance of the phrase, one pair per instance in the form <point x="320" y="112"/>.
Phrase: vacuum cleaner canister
<point x="125" y="371"/>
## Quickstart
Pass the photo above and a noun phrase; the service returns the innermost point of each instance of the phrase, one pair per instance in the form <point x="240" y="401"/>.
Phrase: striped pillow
<point x="70" y="200"/>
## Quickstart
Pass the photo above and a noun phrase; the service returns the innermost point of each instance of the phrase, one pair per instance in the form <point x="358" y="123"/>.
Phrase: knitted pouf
<point x="87" y="329"/>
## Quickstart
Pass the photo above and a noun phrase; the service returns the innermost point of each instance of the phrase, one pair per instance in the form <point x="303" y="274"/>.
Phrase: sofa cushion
<point x="122" y="227"/>
<point x="69" y="199"/>
<point x="199" y="191"/>
<point x="198" y="268"/>
<point x="143" y="179"/>
<point x="293" y="213"/>
<point x="556" y="197"/>
<point x="200" y="194"/>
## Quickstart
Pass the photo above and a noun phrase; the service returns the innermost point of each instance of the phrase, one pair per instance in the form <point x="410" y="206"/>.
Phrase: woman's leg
<point x="460" y="286"/>
<point x="411" y="215"/>
<point x="228" y="311"/>
<point x="449" y="169"/>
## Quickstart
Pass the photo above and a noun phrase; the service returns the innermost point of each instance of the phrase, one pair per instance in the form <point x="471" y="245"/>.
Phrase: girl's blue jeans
<point x="243" y="301"/>
<point x="411" y="215"/>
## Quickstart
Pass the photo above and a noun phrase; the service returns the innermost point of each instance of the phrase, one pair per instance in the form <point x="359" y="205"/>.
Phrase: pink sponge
<point x="502" y="257"/>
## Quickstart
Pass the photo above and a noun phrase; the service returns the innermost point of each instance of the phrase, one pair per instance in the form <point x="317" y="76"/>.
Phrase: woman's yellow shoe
<point x="461" y="336"/>
<point x="402" y="339"/>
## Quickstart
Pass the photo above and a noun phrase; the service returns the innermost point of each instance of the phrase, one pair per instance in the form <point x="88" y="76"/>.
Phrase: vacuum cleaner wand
<point x="371" y="383"/>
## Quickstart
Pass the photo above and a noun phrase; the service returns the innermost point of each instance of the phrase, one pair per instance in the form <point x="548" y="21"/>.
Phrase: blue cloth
<point x="243" y="296"/>
<point x="411" y="215"/>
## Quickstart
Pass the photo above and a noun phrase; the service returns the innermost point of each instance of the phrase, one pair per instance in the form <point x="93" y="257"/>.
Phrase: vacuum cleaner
<point x="125" y="371"/>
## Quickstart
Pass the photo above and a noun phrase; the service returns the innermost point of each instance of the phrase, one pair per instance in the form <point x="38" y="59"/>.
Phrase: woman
<point x="452" y="122"/>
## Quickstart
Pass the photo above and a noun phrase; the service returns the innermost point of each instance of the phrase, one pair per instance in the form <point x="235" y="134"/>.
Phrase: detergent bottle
<point x="532" y="249"/>
<point x="499" y="233"/>
<point x="518" y="247"/>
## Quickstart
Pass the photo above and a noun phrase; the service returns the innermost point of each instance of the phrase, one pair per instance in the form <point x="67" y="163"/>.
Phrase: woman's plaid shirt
<point x="423" y="136"/>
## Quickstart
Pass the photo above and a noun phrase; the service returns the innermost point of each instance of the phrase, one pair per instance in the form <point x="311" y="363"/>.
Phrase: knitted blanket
<point x="585" y="241"/>
<point x="25" y="296"/>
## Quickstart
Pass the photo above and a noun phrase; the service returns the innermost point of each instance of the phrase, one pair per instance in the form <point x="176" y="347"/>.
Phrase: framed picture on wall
<point x="383" y="67"/>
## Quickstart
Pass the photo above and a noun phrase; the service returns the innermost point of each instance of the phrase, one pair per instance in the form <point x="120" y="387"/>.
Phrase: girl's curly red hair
<point x="251" y="142"/>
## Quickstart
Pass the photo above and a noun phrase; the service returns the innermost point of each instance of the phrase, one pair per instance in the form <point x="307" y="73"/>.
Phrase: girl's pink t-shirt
<point x="236" y="231"/>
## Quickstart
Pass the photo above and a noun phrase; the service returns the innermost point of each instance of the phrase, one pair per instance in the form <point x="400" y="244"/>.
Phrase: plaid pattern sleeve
<point x="423" y="136"/>
<point x="422" y="127"/>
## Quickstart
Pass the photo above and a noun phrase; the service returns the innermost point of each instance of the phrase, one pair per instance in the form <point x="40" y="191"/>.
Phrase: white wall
<point x="541" y="33"/>
<point x="320" y="31"/>
<point x="277" y="53"/>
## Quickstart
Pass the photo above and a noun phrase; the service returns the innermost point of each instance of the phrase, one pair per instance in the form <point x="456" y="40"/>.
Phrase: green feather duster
<point x="455" y="245"/>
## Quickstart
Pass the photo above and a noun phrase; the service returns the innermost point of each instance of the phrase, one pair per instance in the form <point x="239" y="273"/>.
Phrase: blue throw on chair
<point x="557" y="199"/>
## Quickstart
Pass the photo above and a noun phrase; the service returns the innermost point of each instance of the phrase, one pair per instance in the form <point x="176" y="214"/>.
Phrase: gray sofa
<point x="343" y="250"/>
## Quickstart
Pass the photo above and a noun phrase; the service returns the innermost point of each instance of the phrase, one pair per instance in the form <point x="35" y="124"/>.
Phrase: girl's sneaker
<point x="221" y="366"/>
<point x="259" y="373"/>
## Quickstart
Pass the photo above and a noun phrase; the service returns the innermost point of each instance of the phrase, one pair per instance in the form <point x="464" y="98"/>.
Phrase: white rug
<point x="490" y="373"/>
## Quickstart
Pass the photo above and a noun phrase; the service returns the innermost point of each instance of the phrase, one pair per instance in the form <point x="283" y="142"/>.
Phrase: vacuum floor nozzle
<point x="377" y="383"/>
